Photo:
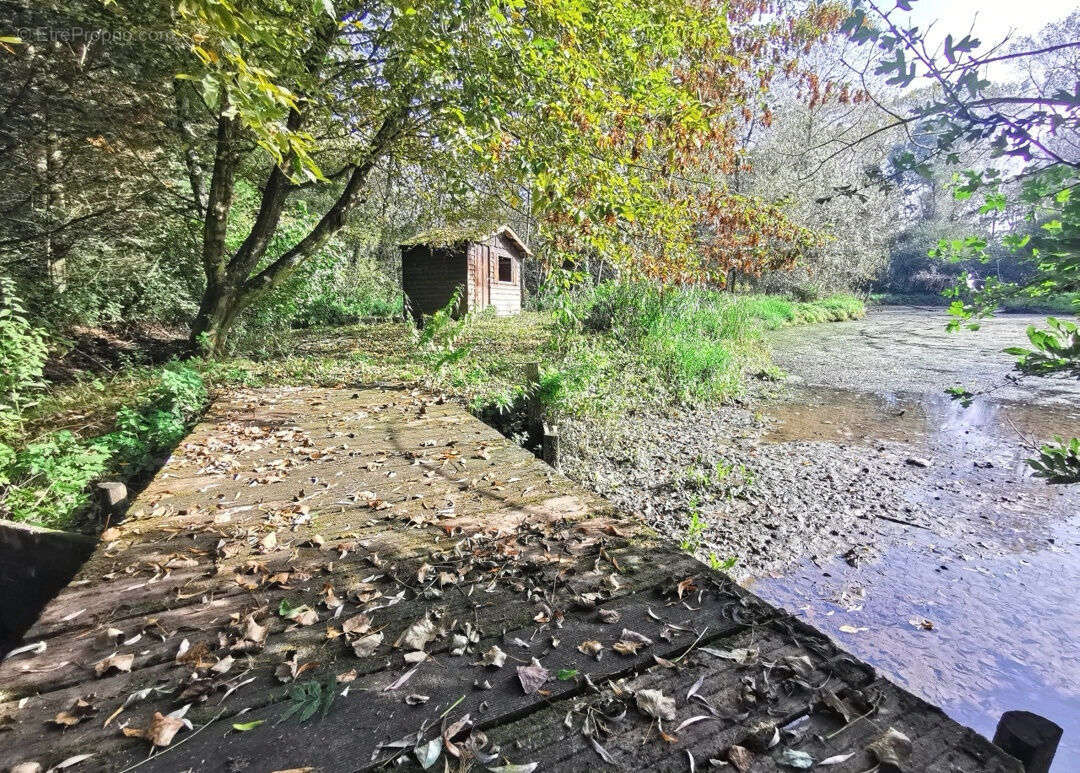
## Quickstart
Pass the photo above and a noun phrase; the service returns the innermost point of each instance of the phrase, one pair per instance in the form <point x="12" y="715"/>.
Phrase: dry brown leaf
<point x="740" y="758"/>
<point x="417" y="635"/>
<point x="592" y="648"/>
<point x="253" y="632"/>
<point x="532" y="676"/>
<point x="494" y="657"/>
<point x="608" y="615"/>
<point x="163" y="729"/>
<point x="655" y="704"/>
<point x="115" y="662"/>
<point x="80" y="710"/>
<point x="366" y="645"/>
<point x="356" y="625"/>
<point x="634" y="636"/>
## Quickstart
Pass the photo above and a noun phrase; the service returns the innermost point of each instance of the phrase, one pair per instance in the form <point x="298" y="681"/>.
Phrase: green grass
<point x="776" y="312"/>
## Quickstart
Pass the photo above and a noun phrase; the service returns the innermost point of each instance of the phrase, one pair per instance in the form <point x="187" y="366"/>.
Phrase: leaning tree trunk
<point x="217" y="313"/>
<point x="234" y="282"/>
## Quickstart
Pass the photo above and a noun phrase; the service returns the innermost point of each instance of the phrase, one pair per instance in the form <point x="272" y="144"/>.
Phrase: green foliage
<point x="1058" y="462"/>
<point x="305" y="699"/>
<point x="438" y="340"/>
<point x="49" y="478"/>
<point x="22" y="358"/>
<point x="160" y="420"/>
<point x="694" y="531"/>
<point x="1054" y="350"/>
<point x="47" y="482"/>
<point x="725" y="565"/>
<point x="696" y="343"/>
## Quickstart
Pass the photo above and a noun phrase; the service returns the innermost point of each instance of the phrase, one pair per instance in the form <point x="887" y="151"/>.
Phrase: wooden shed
<point x="489" y="267"/>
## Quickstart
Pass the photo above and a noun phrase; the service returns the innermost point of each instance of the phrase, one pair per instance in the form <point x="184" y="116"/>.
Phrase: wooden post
<point x="113" y="496"/>
<point x="532" y="387"/>
<point x="1030" y="738"/>
<point x="550" y="447"/>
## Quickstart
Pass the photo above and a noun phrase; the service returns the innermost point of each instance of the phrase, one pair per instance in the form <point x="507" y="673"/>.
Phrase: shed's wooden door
<point x="482" y="277"/>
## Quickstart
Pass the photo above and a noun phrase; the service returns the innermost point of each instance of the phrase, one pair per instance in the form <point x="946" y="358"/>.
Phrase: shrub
<point x="50" y="478"/>
<point x="22" y="358"/>
<point x="48" y="481"/>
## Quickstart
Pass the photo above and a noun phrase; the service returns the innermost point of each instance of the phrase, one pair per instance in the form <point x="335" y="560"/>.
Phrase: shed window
<point x="506" y="269"/>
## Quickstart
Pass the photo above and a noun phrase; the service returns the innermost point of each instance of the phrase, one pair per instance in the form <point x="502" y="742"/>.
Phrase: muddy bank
<point x="858" y="495"/>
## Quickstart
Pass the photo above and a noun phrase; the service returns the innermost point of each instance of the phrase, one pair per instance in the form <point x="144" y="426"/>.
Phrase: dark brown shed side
<point x="430" y="275"/>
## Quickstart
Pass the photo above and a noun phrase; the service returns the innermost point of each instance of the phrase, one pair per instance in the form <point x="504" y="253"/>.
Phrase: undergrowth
<point x="604" y="352"/>
<point x="46" y="480"/>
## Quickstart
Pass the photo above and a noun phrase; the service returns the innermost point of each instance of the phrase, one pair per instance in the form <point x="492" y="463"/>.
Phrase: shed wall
<point x="430" y="276"/>
<point x="484" y="262"/>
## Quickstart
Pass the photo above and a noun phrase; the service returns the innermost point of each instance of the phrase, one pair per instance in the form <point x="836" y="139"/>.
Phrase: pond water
<point x="976" y="608"/>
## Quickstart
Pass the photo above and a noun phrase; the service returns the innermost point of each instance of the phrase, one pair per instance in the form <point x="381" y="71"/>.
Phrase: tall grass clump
<point x="690" y="343"/>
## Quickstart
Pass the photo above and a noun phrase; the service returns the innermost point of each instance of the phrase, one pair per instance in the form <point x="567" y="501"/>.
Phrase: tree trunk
<point x="219" y="309"/>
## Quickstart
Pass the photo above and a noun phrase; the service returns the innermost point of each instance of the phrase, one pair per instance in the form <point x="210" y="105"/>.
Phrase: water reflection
<point x="978" y="615"/>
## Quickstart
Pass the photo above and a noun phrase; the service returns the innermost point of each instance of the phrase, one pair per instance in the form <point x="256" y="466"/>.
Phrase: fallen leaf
<point x="740" y="758"/>
<point x="526" y="768"/>
<point x="891" y="748"/>
<point x="72" y="761"/>
<point x="428" y="754"/>
<point x="80" y="710"/>
<point x="417" y="635"/>
<point x="634" y="636"/>
<point x="36" y="648"/>
<point x="301" y="615"/>
<point x="745" y="656"/>
<point x="401" y="680"/>
<point x="243" y="727"/>
<point x="115" y="662"/>
<point x="494" y="657"/>
<point x="356" y="625"/>
<point x="608" y="615"/>
<point x="694" y="720"/>
<point x="415" y="699"/>
<point x="836" y="759"/>
<point x="163" y="729"/>
<point x="27" y="767"/>
<point x="253" y="632"/>
<point x="366" y="645"/>
<point x="591" y="647"/>
<point x="655" y="704"/>
<point x="605" y="755"/>
<point x="532" y="677"/>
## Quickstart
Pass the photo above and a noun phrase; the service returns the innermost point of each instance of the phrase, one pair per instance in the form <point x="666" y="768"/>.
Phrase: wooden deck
<point x="295" y="528"/>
